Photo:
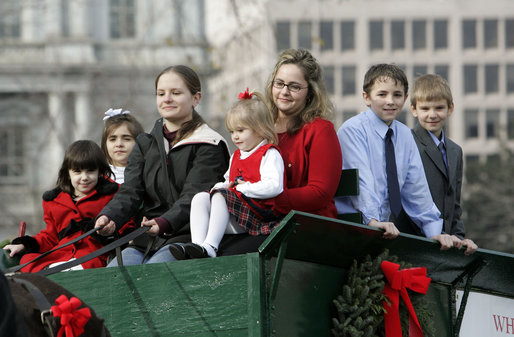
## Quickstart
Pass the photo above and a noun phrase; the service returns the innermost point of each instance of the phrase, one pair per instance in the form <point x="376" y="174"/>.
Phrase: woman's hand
<point x="105" y="225"/>
<point x="390" y="230"/>
<point x="15" y="249"/>
<point x="154" y="227"/>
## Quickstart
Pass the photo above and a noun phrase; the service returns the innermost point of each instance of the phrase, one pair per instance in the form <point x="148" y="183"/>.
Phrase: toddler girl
<point x="83" y="189"/>
<point x="254" y="178"/>
<point x="118" y="139"/>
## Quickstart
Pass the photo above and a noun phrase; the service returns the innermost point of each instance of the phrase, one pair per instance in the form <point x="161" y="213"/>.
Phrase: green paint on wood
<point x="206" y="297"/>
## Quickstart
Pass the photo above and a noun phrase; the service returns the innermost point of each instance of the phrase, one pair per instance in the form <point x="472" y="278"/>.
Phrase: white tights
<point x="210" y="220"/>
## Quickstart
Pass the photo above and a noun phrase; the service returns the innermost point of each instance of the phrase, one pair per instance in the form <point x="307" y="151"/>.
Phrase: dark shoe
<point x="195" y="251"/>
<point x="178" y="251"/>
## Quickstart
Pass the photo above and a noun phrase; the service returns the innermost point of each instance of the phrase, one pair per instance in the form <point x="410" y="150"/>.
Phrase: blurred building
<point x="62" y="64"/>
<point x="468" y="42"/>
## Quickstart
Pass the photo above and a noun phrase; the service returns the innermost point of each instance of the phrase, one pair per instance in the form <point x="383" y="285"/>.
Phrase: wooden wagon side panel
<point x="207" y="297"/>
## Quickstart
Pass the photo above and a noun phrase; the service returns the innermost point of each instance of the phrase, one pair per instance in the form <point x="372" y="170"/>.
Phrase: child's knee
<point x="200" y="197"/>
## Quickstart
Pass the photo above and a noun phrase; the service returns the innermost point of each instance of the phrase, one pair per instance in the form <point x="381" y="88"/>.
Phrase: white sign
<point x="487" y="315"/>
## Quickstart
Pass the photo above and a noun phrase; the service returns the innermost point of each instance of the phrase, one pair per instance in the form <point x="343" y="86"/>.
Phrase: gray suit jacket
<point x="445" y="188"/>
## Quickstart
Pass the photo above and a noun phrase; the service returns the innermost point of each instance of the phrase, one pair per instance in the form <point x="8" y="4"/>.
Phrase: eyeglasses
<point x="292" y="87"/>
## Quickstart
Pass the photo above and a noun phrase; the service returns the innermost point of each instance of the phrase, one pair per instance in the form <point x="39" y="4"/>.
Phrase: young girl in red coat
<point x="83" y="189"/>
<point x="244" y="202"/>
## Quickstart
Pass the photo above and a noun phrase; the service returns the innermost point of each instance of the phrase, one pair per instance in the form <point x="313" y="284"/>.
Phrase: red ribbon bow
<point x="245" y="94"/>
<point x="414" y="279"/>
<point x="72" y="320"/>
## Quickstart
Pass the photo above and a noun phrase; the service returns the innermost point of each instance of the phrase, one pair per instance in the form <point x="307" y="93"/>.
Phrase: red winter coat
<point x="66" y="220"/>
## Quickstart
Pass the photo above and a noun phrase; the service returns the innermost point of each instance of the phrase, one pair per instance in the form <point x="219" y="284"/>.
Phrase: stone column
<point x="83" y="116"/>
<point x="54" y="151"/>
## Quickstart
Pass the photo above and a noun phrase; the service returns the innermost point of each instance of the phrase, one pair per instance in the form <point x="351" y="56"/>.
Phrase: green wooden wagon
<point x="285" y="289"/>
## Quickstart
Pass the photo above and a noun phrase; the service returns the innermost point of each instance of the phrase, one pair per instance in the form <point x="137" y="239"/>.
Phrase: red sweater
<point x="313" y="163"/>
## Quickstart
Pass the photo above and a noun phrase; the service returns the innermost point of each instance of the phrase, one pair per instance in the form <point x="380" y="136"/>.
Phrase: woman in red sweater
<point x="307" y="140"/>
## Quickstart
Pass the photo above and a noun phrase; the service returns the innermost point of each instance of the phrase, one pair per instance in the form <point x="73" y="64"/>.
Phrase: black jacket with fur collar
<point x="161" y="183"/>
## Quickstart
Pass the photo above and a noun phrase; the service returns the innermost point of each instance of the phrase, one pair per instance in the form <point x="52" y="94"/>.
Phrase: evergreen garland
<point x="360" y="311"/>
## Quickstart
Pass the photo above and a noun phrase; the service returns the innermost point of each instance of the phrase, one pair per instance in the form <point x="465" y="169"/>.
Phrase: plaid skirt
<point x="254" y="220"/>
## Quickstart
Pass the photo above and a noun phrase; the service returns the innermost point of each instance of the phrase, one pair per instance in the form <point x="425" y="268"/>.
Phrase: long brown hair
<point x="317" y="102"/>
<point x="190" y="78"/>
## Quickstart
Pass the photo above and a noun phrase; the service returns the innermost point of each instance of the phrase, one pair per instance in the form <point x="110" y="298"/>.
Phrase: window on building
<point x="442" y="70"/>
<point x="402" y="116"/>
<point x="349" y="83"/>
<point x="12" y="163"/>
<point x="65" y="18"/>
<point x="328" y="74"/>
<point x="402" y="67"/>
<point x="347" y="35"/>
<point x="471" y="123"/>
<point x="347" y="114"/>
<point x="492" y="79"/>
<point x="509" y="33"/>
<point x="419" y="70"/>
<point x="470" y="79"/>
<point x="397" y="35"/>
<point x="472" y="159"/>
<point x="494" y="159"/>
<point x="509" y="77"/>
<point x="491" y="33"/>
<point x="305" y="34"/>
<point x="10" y="22"/>
<point x="419" y="34"/>
<point x="440" y="34"/>
<point x="122" y="19"/>
<point x="492" y="117"/>
<point x="510" y="123"/>
<point x="469" y="34"/>
<point x="376" y="35"/>
<point x="283" y="35"/>
<point x="326" y="31"/>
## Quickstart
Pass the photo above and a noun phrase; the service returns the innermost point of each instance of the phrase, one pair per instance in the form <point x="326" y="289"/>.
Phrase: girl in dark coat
<point x="180" y="157"/>
<point x="83" y="189"/>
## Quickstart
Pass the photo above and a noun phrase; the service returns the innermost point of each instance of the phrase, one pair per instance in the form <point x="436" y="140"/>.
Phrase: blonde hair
<point x="431" y="87"/>
<point x="252" y="113"/>
<point x="317" y="102"/>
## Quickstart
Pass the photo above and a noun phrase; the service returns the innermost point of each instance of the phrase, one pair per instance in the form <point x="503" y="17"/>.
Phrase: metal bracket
<point x="469" y="273"/>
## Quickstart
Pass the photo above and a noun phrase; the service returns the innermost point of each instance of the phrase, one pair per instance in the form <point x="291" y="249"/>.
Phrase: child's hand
<point x="15" y="249"/>
<point x="231" y="184"/>
<point x="154" y="227"/>
<point x="240" y="181"/>
<point x="445" y="240"/>
<point x="108" y="225"/>
<point x="390" y="230"/>
<point x="471" y="247"/>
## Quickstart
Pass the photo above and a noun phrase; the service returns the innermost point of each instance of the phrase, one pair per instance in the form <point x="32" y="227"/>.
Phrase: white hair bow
<point x="114" y="112"/>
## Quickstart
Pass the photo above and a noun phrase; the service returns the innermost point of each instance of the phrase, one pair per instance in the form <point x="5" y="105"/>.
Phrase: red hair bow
<point x="246" y="94"/>
<point x="72" y="320"/>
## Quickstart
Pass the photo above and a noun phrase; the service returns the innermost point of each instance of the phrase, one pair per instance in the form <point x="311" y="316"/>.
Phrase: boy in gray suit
<point x="432" y="104"/>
